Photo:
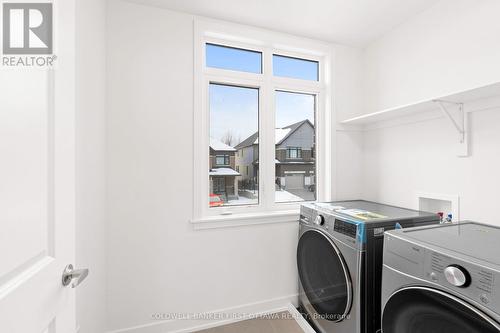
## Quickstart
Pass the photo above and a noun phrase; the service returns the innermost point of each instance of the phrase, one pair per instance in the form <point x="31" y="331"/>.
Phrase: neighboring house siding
<point x="248" y="157"/>
<point x="255" y="153"/>
<point x="303" y="137"/>
<point x="307" y="155"/>
<point x="281" y="154"/>
<point x="245" y="159"/>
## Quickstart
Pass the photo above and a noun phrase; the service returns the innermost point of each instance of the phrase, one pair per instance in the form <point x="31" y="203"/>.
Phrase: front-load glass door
<point x="425" y="310"/>
<point x="324" y="275"/>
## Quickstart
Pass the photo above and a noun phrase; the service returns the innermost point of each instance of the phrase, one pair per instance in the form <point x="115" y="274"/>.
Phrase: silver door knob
<point x="73" y="276"/>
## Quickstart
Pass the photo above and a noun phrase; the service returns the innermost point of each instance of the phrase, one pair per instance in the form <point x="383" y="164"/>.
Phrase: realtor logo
<point x="27" y="28"/>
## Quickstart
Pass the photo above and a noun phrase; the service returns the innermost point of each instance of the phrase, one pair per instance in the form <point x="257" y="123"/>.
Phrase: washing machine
<point x="443" y="278"/>
<point x="339" y="260"/>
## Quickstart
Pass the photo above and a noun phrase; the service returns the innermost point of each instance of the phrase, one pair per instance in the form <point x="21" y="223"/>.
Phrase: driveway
<point x="304" y="194"/>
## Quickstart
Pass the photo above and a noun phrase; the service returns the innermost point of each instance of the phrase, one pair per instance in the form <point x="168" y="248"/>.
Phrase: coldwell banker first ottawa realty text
<point x="27" y="38"/>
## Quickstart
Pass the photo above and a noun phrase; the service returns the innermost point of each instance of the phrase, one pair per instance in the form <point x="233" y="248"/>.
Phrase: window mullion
<point x="323" y="153"/>
<point x="268" y="115"/>
<point x="203" y="159"/>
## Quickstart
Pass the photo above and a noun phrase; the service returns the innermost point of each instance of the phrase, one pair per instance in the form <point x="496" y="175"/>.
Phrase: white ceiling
<point x="351" y="22"/>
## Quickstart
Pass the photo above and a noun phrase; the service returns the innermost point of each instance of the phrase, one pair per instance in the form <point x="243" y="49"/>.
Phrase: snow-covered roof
<point x="279" y="134"/>
<point x="218" y="145"/>
<point x="275" y="161"/>
<point x="223" y="172"/>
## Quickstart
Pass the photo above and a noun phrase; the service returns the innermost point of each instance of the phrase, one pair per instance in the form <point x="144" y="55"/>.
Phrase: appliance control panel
<point x="306" y="215"/>
<point x="473" y="281"/>
<point x="345" y="228"/>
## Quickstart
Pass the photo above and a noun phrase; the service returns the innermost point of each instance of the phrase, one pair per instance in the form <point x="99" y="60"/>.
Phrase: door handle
<point x="73" y="276"/>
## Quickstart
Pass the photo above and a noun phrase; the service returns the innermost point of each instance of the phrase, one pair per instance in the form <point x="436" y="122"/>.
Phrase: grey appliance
<point x="339" y="260"/>
<point x="442" y="278"/>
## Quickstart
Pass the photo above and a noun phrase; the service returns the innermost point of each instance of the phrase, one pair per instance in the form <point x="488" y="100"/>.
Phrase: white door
<point x="37" y="189"/>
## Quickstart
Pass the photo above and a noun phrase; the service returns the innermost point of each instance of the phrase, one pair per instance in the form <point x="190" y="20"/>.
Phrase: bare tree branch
<point x="230" y="139"/>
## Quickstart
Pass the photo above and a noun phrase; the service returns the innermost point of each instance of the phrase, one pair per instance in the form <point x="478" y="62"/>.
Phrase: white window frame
<point x="268" y="43"/>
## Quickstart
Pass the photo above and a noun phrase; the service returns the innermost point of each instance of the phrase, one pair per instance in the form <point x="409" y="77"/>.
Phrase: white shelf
<point x="483" y="92"/>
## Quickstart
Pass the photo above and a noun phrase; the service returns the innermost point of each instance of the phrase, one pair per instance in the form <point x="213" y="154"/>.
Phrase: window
<point x="293" y="153"/>
<point x="295" y="119"/>
<point x="219" y="56"/>
<point x="222" y="160"/>
<point x="295" y="68"/>
<point x="261" y="110"/>
<point x="234" y="116"/>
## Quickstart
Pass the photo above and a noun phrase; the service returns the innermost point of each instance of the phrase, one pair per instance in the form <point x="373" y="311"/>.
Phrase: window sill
<point x="236" y="220"/>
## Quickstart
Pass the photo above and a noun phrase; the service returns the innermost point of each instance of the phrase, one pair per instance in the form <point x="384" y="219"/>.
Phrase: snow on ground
<point x="280" y="196"/>
<point x="285" y="196"/>
<point x="242" y="201"/>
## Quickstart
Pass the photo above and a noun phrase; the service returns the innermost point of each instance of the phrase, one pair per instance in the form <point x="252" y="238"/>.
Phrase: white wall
<point x="348" y="159"/>
<point x="157" y="263"/>
<point x="402" y="160"/>
<point x="348" y="101"/>
<point x="451" y="47"/>
<point x="90" y="141"/>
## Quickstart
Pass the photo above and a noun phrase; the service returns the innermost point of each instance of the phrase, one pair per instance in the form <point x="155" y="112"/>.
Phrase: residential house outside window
<point x="234" y="112"/>
<point x="295" y="171"/>
<point x="263" y="109"/>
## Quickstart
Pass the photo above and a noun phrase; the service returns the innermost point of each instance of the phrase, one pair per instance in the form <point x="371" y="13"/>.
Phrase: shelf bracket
<point x="460" y="125"/>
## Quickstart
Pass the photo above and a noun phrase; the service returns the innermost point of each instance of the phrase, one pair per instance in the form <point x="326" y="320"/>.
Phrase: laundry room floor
<point x="281" y="322"/>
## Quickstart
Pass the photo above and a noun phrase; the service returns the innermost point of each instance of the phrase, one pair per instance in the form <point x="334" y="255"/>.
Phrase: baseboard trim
<point x="190" y="325"/>
<point x="306" y="327"/>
